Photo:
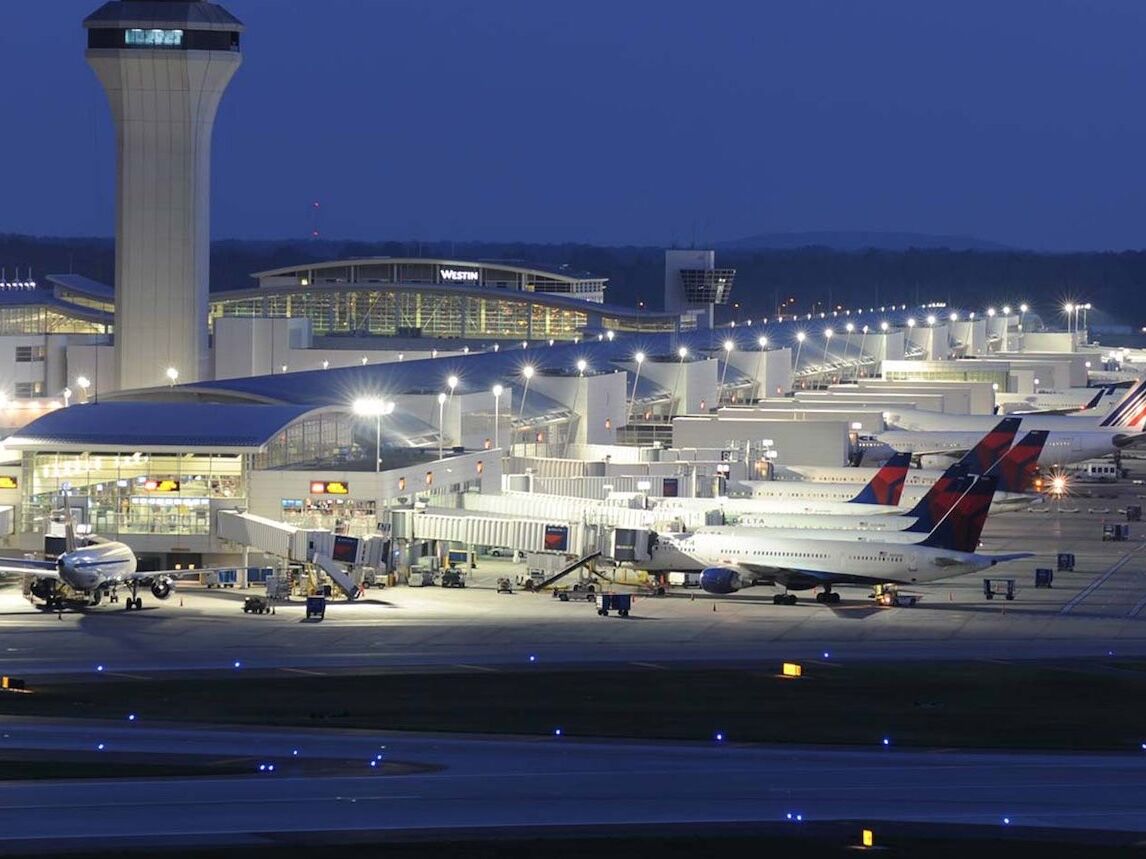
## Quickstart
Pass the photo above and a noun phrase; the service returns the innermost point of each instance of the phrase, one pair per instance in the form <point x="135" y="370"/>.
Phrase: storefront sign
<point x="329" y="487"/>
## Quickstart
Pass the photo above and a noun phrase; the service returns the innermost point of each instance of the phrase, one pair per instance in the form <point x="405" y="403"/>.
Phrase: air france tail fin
<point x="961" y="528"/>
<point x="887" y="486"/>
<point x="1130" y="413"/>
<point x="940" y="499"/>
<point x="991" y="447"/>
<point x="1017" y="469"/>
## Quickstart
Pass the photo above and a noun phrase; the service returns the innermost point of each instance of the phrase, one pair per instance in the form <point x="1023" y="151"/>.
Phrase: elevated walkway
<point x="294" y="544"/>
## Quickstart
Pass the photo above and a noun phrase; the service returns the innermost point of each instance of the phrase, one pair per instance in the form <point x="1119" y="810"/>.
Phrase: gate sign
<point x="556" y="538"/>
<point x="329" y="487"/>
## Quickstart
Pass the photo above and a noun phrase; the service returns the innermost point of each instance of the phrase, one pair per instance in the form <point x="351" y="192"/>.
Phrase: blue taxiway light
<point x="237" y="663"/>
<point x="131" y="717"/>
<point x="557" y="732"/>
<point x="99" y="668"/>
<point x="295" y="752"/>
<point x="886" y="741"/>
<point x="1006" y="820"/>
<point x="827" y="655"/>
<point x="532" y="658"/>
<point x="719" y="737"/>
<point x="100" y="747"/>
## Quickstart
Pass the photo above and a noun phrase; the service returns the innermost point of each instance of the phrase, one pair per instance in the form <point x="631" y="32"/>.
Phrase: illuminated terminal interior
<point x="439" y="298"/>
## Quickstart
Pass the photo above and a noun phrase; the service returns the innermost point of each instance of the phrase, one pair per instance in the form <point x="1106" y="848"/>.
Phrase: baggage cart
<point x="620" y="603"/>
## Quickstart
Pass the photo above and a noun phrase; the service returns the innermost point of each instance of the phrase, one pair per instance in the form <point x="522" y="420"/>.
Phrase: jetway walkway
<point x="300" y="545"/>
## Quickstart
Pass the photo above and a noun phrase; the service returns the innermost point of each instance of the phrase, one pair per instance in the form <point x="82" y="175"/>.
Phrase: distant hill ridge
<point x="858" y="240"/>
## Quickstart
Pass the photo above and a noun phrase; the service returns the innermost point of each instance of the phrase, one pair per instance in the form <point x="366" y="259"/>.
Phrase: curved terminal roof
<point x="178" y="427"/>
<point x="147" y="14"/>
<point x="553" y="272"/>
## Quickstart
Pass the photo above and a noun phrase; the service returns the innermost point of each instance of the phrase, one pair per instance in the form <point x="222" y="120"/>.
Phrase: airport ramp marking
<point x="1100" y="581"/>
<point x="303" y="671"/>
<point x="1141" y="604"/>
<point x="470" y="667"/>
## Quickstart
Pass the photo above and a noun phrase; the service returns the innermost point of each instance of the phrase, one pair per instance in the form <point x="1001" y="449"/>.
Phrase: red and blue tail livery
<point x="886" y="487"/>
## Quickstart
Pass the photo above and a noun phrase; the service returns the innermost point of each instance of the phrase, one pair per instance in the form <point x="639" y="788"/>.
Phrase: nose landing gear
<point x="134" y="601"/>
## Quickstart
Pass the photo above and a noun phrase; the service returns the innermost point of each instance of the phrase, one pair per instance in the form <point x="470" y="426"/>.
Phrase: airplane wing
<point x="29" y="567"/>
<point x="142" y="575"/>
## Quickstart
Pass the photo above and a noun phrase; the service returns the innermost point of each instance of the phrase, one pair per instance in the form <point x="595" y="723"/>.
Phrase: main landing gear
<point x="827" y="596"/>
<point x="134" y="601"/>
<point x="784" y="599"/>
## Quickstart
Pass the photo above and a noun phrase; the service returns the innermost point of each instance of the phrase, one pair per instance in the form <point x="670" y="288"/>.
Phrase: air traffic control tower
<point x="164" y="65"/>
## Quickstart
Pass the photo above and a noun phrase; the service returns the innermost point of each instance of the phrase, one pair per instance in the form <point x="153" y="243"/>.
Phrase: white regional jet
<point x="84" y="574"/>
<point x="734" y="558"/>
<point x="1071" y="439"/>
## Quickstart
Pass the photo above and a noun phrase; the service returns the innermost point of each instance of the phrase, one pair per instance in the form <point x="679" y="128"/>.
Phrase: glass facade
<point x="324" y="441"/>
<point x="137" y="493"/>
<point x="40" y="319"/>
<point x="365" y="311"/>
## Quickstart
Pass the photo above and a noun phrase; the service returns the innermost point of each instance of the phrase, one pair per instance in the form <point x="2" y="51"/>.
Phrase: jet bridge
<point x="326" y="550"/>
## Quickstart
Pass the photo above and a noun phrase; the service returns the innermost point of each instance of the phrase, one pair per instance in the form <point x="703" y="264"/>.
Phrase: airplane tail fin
<point x="1130" y="413"/>
<point x="1017" y="469"/>
<point x="961" y="528"/>
<point x="939" y="499"/>
<point x="1094" y="400"/>
<point x="886" y="487"/>
<point x="991" y="447"/>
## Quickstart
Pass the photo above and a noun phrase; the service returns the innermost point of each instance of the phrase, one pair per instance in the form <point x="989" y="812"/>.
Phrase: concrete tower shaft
<point x="164" y="65"/>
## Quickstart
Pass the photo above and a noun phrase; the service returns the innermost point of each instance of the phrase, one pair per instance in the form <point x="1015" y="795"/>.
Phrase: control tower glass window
<point x="154" y="38"/>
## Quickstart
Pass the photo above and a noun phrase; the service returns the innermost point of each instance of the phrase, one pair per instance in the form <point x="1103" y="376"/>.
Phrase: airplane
<point x="1015" y="472"/>
<point x="730" y="559"/>
<point x="1066" y="403"/>
<point x="778" y="512"/>
<point x="91" y="571"/>
<point x="1071" y="439"/>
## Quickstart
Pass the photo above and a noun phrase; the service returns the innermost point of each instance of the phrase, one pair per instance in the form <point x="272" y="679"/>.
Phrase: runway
<point x="506" y="783"/>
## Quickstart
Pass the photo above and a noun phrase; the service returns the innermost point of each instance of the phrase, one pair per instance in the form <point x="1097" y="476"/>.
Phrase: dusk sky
<point x="623" y="121"/>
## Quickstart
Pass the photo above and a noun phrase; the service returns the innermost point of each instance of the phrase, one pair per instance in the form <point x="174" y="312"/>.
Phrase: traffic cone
<point x="714" y="606"/>
<point x="180" y="602"/>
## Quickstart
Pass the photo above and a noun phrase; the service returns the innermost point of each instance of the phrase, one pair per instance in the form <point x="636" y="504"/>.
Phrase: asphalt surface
<point x="482" y="783"/>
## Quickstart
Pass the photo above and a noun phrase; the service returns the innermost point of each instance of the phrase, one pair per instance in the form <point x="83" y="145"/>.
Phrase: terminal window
<point x="29" y="354"/>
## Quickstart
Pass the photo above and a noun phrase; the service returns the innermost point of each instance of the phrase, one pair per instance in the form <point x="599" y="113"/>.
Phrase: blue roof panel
<point x="127" y="425"/>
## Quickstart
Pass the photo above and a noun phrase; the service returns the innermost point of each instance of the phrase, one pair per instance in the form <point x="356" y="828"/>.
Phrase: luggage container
<point x="315" y="607"/>
<point x="1133" y="512"/>
<point x="620" y="603"/>
<point x="1065" y="562"/>
<point x="1043" y="577"/>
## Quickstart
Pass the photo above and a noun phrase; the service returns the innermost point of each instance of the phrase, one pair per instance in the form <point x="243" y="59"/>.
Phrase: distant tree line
<point x="816" y="278"/>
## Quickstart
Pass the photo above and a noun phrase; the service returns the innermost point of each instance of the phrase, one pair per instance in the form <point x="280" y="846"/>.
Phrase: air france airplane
<point x="90" y="572"/>
<point x="734" y="558"/>
<point x="1071" y="438"/>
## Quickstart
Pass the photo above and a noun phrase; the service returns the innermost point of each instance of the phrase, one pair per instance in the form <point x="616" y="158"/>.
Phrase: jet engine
<point x="720" y="580"/>
<point x="43" y="589"/>
<point x="161" y="589"/>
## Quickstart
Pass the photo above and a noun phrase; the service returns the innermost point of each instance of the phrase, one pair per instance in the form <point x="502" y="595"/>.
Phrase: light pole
<point x="66" y="393"/>
<point x="498" y="390"/>
<point x="849" y="328"/>
<point x="682" y="352"/>
<point x="728" y="347"/>
<point x="859" y="357"/>
<point x="582" y="366"/>
<point x="1068" y="308"/>
<point x="762" y="342"/>
<point x="640" y="359"/>
<point x="451" y="383"/>
<point x="441" y="422"/>
<point x="800" y="338"/>
<point x="827" y="341"/>
<point x="172" y="375"/>
<point x="527" y="372"/>
<point x="84" y="383"/>
<point x="375" y="407"/>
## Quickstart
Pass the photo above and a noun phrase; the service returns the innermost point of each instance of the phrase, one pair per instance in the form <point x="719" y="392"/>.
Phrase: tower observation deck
<point x="164" y="65"/>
